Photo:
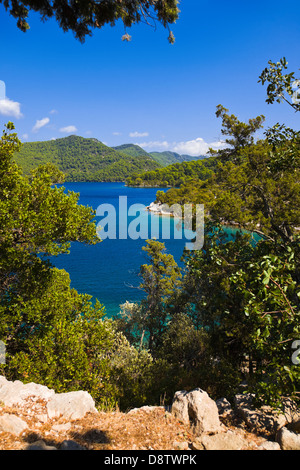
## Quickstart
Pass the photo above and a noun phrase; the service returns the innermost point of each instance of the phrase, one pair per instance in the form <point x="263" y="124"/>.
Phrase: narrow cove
<point x="109" y="270"/>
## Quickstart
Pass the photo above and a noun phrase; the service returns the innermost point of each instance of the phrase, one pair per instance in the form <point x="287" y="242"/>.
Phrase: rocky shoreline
<point x="161" y="209"/>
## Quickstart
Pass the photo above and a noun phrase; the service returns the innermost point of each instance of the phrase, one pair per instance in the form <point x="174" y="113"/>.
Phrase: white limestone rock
<point x="15" y="393"/>
<point x="12" y="424"/>
<point x="288" y="440"/>
<point x="197" y="409"/>
<point x="71" y="406"/>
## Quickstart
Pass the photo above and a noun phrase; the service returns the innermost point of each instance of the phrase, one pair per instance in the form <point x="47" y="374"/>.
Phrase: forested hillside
<point x="176" y="174"/>
<point x="83" y="159"/>
<point x="163" y="158"/>
<point x="131" y="149"/>
<point x="167" y="158"/>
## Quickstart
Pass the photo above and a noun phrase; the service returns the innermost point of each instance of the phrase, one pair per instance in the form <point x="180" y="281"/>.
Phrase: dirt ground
<point x="141" y="429"/>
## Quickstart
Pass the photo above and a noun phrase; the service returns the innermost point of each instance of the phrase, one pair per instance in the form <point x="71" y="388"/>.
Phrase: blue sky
<point x="148" y="92"/>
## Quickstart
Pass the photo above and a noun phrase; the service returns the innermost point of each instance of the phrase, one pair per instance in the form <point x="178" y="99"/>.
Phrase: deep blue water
<point x="109" y="270"/>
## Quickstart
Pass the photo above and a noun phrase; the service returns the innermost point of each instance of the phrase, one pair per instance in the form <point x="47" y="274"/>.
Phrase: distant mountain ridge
<point x="131" y="149"/>
<point x="84" y="159"/>
<point x="163" y="158"/>
<point x="88" y="159"/>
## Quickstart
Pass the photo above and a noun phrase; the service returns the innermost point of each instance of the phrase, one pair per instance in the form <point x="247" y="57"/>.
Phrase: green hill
<point x="175" y="174"/>
<point x="189" y="158"/>
<point x="163" y="158"/>
<point x="166" y="158"/>
<point x="133" y="150"/>
<point x="84" y="159"/>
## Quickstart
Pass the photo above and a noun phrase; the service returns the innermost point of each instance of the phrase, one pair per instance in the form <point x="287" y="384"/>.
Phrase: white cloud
<point x="53" y="111"/>
<point x="139" y="134"/>
<point x="218" y="145"/>
<point x="157" y="145"/>
<point x="40" y="123"/>
<point x="68" y="129"/>
<point x="25" y="136"/>
<point x="116" y="133"/>
<point x="10" y="108"/>
<point x="194" y="147"/>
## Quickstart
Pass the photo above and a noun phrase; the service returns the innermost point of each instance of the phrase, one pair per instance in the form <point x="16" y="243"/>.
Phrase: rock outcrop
<point x="12" y="424"/>
<point x="288" y="440"/>
<point x="15" y="393"/>
<point x="163" y="209"/>
<point x="70" y="406"/>
<point x="34" y="417"/>
<point x="197" y="409"/>
<point x="207" y="419"/>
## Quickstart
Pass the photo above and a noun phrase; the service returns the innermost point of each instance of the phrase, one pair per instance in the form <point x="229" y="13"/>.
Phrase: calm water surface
<point x="109" y="270"/>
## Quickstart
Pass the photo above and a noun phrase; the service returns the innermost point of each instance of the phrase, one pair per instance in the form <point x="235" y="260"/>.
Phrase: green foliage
<point x="162" y="158"/>
<point x="131" y="149"/>
<point x="159" y="279"/>
<point x="83" y="159"/>
<point x="168" y="158"/>
<point x="242" y="134"/>
<point x="239" y="296"/>
<point x="53" y="335"/>
<point x="281" y="87"/>
<point x="60" y="340"/>
<point x="83" y="17"/>
<point x="144" y="324"/>
<point x="186" y="355"/>
<point x="285" y="145"/>
<point x="36" y="218"/>
<point x="67" y="345"/>
<point x="247" y="296"/>
<point x="176" y="174"/>
<point x="259" y="192"/>
<point x="232" y="313"/>
<point x="133" y="374"/>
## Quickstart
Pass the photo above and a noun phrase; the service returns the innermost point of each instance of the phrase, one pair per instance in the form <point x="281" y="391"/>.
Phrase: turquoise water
<point x="109" y="270"/>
